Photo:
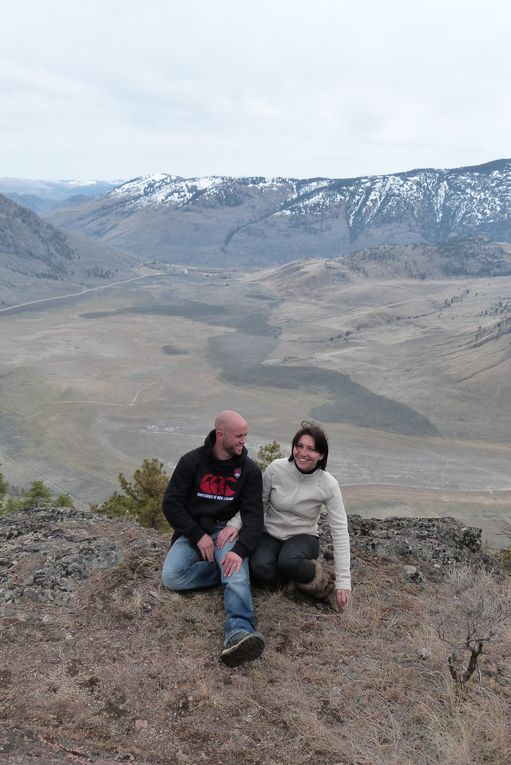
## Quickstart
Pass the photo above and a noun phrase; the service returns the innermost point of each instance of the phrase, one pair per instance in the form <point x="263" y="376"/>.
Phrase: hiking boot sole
<point x="248" y="649"/>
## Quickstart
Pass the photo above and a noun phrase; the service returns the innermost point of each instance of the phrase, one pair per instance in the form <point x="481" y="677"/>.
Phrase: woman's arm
<point x="234" y="524"/>
<point x="339" y="527"/>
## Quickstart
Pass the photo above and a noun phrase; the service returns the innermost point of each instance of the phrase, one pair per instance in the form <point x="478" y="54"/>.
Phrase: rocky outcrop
<point x="46" y="554"/>
<point x="434" y="545"/>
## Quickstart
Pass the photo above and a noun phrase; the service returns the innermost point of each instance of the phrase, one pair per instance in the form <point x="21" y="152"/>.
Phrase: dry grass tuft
<point x="135" y="669"/>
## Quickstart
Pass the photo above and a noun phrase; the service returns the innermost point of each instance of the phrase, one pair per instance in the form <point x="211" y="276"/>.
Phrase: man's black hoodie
<point x="203" y="490"/>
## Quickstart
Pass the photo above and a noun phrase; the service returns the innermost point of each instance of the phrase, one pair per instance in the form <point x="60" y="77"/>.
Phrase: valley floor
<point x="95" y="383"/>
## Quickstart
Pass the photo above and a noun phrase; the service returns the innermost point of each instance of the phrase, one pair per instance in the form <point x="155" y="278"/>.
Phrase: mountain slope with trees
<point x="38" y="260"/>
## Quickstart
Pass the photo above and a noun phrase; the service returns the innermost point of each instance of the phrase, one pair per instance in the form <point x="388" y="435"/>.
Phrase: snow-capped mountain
<point x="259" y="220"/>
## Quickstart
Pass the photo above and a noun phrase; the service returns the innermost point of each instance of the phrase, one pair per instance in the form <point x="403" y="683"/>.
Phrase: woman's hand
<point x="232" y="563"/>
<point x="342" y="598"/>
<point x="228" y="534"/>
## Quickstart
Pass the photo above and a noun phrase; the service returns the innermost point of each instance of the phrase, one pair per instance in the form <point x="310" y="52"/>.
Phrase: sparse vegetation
<point x="456" y="298"/>
<point x="3" y="491"/>
<point x="133" y="671"/>
<point x="480" y="615"/>
<point x="492" y="332"/>
<point x="98" y="272"/>
<point x="267" y="453"/>
<point x="498" y="307"/>
<point x="141" y="498"/>
<point x="37" y="494"/>
<point x="505" y="555"/>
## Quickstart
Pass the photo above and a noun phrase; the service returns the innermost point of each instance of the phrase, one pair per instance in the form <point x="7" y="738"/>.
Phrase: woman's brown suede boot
<point x="322" y="585"/>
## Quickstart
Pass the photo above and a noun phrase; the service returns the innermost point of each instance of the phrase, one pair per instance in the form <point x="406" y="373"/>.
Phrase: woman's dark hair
<point x="318" y="435"/>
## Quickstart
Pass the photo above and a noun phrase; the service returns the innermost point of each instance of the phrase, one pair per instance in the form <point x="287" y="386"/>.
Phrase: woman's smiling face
<point x="305" y="455"/>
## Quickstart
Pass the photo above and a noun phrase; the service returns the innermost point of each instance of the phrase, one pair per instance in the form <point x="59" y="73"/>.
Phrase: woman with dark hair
<point x="294" y="492"/>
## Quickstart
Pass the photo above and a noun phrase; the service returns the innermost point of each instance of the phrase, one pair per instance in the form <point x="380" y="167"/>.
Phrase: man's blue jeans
<point x="185" y="569"/>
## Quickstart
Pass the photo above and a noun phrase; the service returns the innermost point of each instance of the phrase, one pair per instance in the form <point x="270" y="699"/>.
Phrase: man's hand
<point x="342" y="598"/>
<point x="207" y="548"/>
<point x="232" y="563"/>
<point x="228" y="534"/>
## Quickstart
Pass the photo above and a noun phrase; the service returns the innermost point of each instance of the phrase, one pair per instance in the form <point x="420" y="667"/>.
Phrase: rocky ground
<point x="100" y="664"/>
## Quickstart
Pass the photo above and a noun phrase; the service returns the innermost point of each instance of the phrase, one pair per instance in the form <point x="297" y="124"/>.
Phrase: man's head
<point x="231" y="434"/>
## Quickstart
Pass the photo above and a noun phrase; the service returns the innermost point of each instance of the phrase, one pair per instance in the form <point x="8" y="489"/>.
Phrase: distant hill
<point x="398" y="322"/>
<point x="259" y="221"/>
<point x="41" y="195"/>
<point x="37" y="259"/>
<point x="458" y="257"/>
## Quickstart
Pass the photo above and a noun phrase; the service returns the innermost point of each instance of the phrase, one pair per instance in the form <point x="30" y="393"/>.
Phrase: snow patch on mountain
<point x="435" y="203"/>
<point x="175" y="191"/>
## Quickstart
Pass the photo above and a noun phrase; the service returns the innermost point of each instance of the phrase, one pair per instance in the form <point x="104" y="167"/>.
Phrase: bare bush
<point x="480" y="613"/>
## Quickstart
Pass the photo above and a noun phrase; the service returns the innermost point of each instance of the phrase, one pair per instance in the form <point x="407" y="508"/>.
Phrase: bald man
<point x="208" y="487"/>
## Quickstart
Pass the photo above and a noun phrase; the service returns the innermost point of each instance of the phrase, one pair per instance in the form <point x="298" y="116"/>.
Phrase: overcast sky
<point x="113" y="89"/>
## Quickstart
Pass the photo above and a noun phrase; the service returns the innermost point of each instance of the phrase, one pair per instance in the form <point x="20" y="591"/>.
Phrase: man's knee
<point x="174" y="572"/>
<point x="172" y="579"/>
<point x="241" y="577"/>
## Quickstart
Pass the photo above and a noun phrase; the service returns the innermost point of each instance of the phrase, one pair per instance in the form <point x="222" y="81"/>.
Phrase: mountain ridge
<point x="257" y="221"/>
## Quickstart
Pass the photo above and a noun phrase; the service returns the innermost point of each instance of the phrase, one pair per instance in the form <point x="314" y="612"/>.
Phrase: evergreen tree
<point x="3" y="492"/>
<point x="63" y="500"/>
<point x="267" y="453"/>
<point x="141" y="498"/>
<point x="37" y="495"/>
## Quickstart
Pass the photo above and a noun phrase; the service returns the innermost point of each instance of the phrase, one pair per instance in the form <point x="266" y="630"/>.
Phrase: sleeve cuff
<point x="240" y="550"/>
<point x="196" y="535"/>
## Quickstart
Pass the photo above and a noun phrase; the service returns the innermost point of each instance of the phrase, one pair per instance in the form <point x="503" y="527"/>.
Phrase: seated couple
<point x="214" y="502"/>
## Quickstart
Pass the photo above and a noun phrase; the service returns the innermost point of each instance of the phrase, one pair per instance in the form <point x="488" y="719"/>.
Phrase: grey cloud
<point x="261" y="87"/>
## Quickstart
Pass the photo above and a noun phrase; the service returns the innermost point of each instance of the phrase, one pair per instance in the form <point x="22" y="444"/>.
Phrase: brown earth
<point x="99" y="664"/>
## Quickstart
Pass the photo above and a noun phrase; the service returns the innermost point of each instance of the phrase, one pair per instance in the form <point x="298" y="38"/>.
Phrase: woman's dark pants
<point x="277" y="562"/>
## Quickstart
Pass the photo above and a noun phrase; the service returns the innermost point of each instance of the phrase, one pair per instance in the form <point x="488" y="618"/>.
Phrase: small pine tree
<point x="267" y="453"/>
<point x="63" y="500"/>
<point x="37" y="495"/>
<point x="3" y="492"/>
<point x="10" y="506"/>
<point x="141" y="498"/>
